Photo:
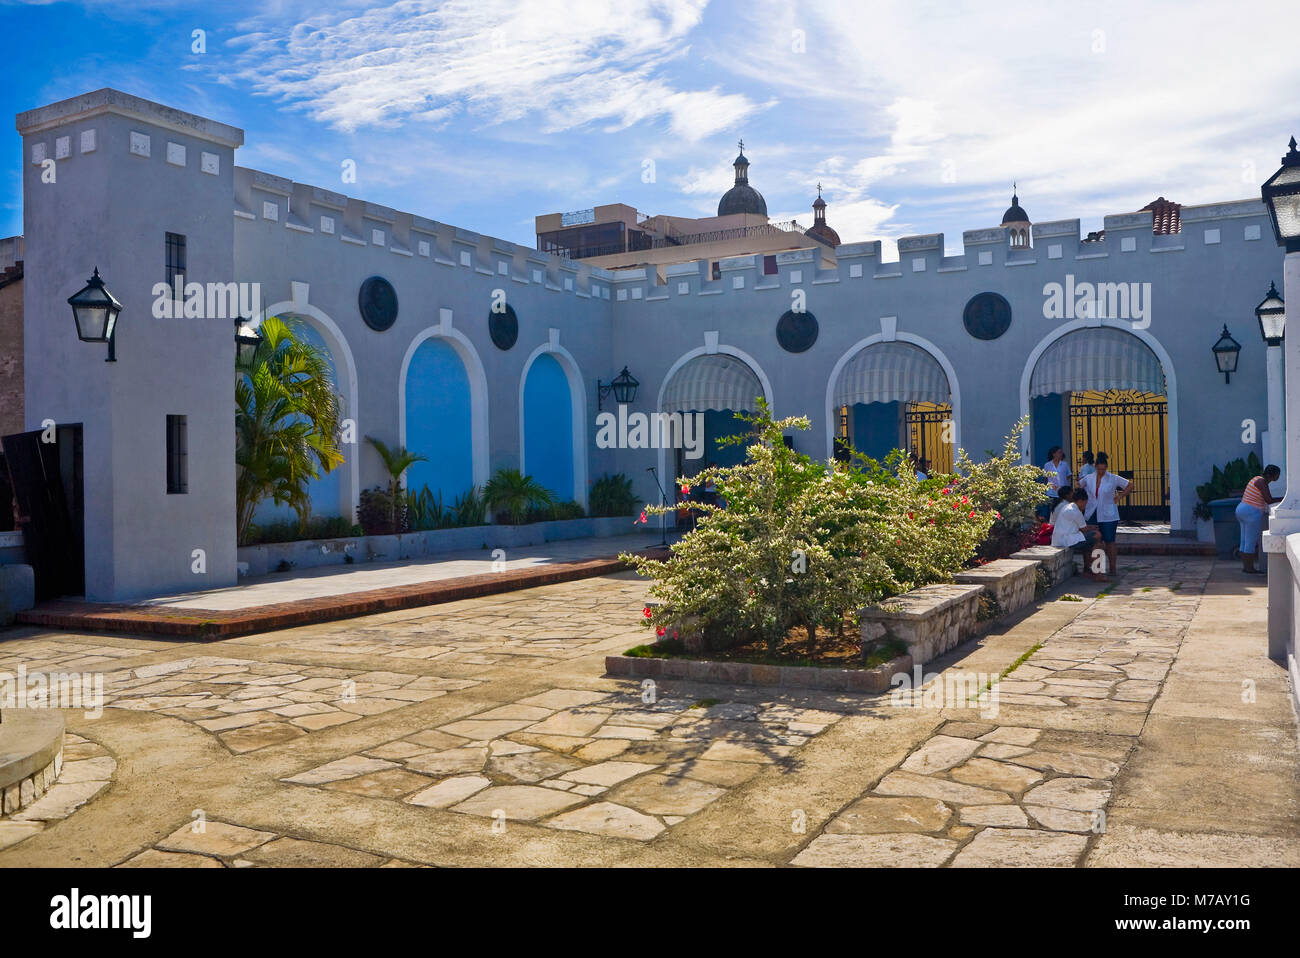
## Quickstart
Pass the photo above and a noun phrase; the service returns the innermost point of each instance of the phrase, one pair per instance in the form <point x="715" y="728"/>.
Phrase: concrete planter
<point x="928" y="621"/>
<point x="31" y="756"/>
<point x="745" y="673"/>
<point x="1058" y="563"/>
<point x="311" y="553"/>
<point x="1009" y="581"/>
<point x="12" y="549"/>
<point x="17" y="591"/>
<point x="1204" y="530"/>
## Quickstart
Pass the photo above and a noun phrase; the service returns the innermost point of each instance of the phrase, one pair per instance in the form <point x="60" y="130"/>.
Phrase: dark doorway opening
<point x="46" y="479"/>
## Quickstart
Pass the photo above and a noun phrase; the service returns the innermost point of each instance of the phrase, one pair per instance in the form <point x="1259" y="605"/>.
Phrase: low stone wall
<point x="745" y="673"/>
<point x="17" y="591"/>
<point x="1058" y="563"/>
<point x="31" y="756"/>
<point x="1010" y="582"/>
<point x="929" y="620"/>
<point x="310" y="553"/>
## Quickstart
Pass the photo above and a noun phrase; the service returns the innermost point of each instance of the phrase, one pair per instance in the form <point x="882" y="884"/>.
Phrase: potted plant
<point x="1215" y="512"/>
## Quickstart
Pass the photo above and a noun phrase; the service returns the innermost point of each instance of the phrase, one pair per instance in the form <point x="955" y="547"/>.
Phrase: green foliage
<point x="396" y="461"/>
<point x="611" y="496"/>
<point x="1224" y="483"/>
<point x="317" y="527"/>
<point x="286" y="424"/>
<point x="378" y="514"/>
<point x="1005" y="485"/>
<point x="515" y="494"/>
<point x="469" y="507"/>
<point x="424" y="511"/>
<point x="804" y="543"/>
<point x="558" y="510"/>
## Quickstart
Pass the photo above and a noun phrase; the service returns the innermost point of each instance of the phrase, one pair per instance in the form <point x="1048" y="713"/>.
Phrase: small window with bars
<point x="175" y="257"/>
<point x="177" y="455"/>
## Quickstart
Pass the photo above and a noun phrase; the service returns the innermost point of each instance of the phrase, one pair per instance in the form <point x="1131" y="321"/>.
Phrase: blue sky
<point x="915" y="116"/>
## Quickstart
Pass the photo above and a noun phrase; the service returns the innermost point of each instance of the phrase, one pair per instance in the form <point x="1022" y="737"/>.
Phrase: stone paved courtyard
<point x="1146" y="727"/>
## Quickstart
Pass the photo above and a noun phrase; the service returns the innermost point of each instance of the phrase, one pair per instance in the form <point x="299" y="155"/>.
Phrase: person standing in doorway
<point x="1250" y="516"/>
<point x="1087" y="469"/>
<point x="1057" y="471"/>
<point x="1103" y="488"/>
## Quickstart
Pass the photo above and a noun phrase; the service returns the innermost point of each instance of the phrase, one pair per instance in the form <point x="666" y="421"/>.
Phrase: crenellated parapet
<point x="317" y="215"/>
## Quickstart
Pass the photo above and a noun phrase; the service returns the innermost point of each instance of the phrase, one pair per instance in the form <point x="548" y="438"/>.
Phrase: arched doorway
<point x="438" y="419"/>
<point x="894" y="395"/>
<point x="712" y="387"/>
<point x="332" y="493"/>
<point x="548" y="426"/>
<point x="1103" y="389"/>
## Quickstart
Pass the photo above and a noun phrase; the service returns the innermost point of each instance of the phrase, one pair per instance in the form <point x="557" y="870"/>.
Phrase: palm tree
<point x="511" y="490"/>
<point x="396" y="461"/>
<point x="286" y="423"/>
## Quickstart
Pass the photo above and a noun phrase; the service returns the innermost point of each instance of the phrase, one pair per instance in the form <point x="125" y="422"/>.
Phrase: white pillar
<point x="1275" y="453"/>
<point x="1284" y="518"/>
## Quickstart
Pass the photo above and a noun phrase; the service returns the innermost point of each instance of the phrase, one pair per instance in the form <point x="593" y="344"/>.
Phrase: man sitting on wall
<point x="1071" y="530"/>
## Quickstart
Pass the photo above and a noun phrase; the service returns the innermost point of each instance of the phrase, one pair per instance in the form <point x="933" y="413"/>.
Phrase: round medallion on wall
<point x="377" y="301"/>
<point x="796" y="332"/>
<point x="503" y="327"/>
<point x="987" y="316"/>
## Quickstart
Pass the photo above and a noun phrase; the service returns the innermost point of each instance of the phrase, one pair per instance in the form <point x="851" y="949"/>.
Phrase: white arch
<point x="578" y="403"/>
<point x="478" y="392"/>
<point x="1171" y="394"/>
<point x="954" y="388"/>
<point x="350" y="489"/>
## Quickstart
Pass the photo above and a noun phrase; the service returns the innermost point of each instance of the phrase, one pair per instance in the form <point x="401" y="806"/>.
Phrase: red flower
<point x="643" y="519"/>
<point x="686" y="490"/>
<point x="646" y="612"/>
<point x="945" y="490"/>
<point x="963" y="499"/>
<point x="972" y="514"/>
<point x="911" y="515"/>
<point x="660" y="630"/>
<point x="998" y="514"/>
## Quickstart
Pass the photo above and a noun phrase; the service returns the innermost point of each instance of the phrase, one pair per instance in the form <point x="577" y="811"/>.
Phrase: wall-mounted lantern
<point x="1281" y="195"/>
<point x="1271" y="314"/>
<point x="1225" y="354"/>
<point x="623" y="387"/>
<point x="95" y="311"/>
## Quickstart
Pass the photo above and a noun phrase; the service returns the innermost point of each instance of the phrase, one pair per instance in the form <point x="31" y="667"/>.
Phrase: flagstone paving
<point x="484" y="732"/>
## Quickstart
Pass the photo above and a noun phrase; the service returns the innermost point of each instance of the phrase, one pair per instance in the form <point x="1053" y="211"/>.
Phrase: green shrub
<point x="469" y="508"/>
<point x="803" y="543"/>
<point x="290" y="530"/>
<point x="377" y="513"/>
<point x="515" y="495"/>
<point x="424" y="511"/>
<point x="1006" y="486"/>
<point x="1224" y="483"/>
<point x="611" y="496"/>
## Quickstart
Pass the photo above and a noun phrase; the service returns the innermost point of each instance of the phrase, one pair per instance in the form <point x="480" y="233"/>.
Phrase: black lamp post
<point x="1271" y="314"/>
<point x="95" y="311"/>
<point x="247" y="339"/>
<point x="1225" y="354"/>
<point x="623" y="387"/>
<point x="1281" y="194"/>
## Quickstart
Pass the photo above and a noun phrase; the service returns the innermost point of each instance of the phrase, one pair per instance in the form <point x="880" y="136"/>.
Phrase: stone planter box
<point x="1058" y="563"/>
<point x="1010" y="582"/>
<point x="12" y="549"/>
<point x="929" y="620"/>
<point x="769" y="676"/>
<point x="17" y="591"/>
<point x="310" y="553"/>
<point x="31" y="756"/>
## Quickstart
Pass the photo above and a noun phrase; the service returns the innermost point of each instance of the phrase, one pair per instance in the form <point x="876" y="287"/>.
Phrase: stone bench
<point x="1010" y="582"/>
<point x="1058" y="563"/>
<point x="928" y="621"/>
<point x="31" y="756"/>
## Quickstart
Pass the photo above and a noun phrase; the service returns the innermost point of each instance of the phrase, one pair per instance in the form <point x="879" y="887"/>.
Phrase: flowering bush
<point x="804" y="543"/>
<point x="1008" y="487"/>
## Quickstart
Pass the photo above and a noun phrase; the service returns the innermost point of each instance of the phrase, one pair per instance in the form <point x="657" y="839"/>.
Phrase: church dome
<point x="1015" y="213"/>
<point x="742" y="198"/>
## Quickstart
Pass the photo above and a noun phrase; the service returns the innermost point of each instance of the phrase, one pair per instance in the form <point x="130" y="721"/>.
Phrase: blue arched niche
<point x="548" y="426"/>
<point x="438" y="421"/>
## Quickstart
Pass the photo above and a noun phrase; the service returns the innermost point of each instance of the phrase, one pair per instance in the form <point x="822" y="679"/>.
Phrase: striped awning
<point x="892" y="372"/>
<point x="1097" y="358"/>
<point x="716" y="381"/>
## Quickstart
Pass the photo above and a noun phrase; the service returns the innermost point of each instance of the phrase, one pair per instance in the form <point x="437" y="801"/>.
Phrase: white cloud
<point x="564" y="64"/>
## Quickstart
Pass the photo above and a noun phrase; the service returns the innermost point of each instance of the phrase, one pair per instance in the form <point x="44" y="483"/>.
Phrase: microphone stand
<point x="663" y="502"/>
